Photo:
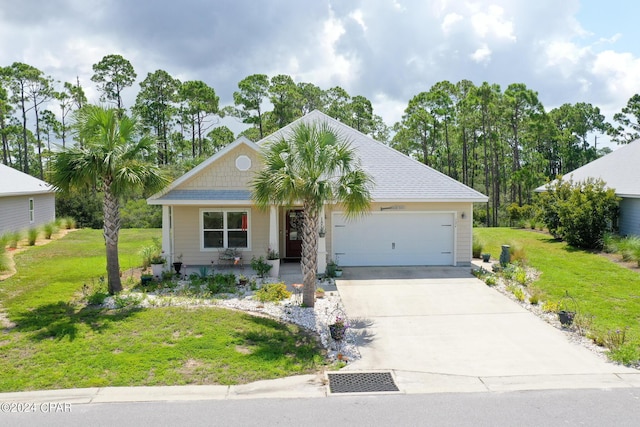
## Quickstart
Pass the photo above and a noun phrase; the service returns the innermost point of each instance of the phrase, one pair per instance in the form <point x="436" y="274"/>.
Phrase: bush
<point x="49" y="228"/>
<point x="579" y="213"/>
<point x="273" y="292"/>
<point x="476" y="250"/>
<point x="491" y="280"/>
<point x="13" y="238"/>
<point x="629" y="248"/>
<point x="32" y="236"/>
<point x="97" y="298"/>
<point x="260" y="266"/>
<point x="85" y="206"/>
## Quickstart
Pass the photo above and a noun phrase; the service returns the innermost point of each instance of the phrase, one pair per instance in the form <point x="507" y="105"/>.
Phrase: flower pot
<point x="486" y="257"/>
<point x="177" y="266"/>
<point x="566" y="317"/>
<point x="338" y="273"/>
<point x="319" y="294"/>
<point x="156" y="269"/>
<point x="146" y="279"/>
<point x="275" y="267"/>
<point x="337" y="331"/>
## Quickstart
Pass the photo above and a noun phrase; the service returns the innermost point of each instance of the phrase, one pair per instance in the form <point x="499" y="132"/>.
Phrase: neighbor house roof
<point x="619" y="170"/>
<point x="16" y="183"/>
<point x="396" y="177"/>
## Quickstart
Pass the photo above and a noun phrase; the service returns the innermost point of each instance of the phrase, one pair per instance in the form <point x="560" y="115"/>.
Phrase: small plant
<point x="49" y="228"/>
<point x="272" y="254"/>
<point x="613" y="340"/>
<point x="491" y="280"/>
<point x="123" y="301"/>
<point x="97" y="298"/>
<point x="477" y="246"/>
<point x="68" y="223"/>
<point x="519" y="294"/>
<point x="551" y="307"/>
<point x="260" y="266"/>
<point x="13" y="239"/>
<point x="273" y="292"/>
<point x="535" y="295"/>
<point x="32" y="236"/>
<point x="626" y="354"/>
<point x="331" y="269"/>
<point x="521" y="276"/>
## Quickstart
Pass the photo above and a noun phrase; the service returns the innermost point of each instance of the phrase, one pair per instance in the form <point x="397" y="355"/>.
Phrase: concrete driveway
<point x="443" y="322"/>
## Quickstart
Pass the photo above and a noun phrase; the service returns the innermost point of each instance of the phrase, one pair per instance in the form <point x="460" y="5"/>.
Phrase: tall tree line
<point x="503" y="143"/>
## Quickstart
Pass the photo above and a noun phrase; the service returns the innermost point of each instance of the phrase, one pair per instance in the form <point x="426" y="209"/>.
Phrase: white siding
<point x="629" y="222"/>
<point x="14" y="212"/>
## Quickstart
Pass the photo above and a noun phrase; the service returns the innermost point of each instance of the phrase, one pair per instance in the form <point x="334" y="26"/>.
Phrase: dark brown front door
<point x="294" y="234"/>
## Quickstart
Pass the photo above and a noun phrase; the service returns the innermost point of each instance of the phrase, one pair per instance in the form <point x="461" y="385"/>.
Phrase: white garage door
<point x="394" y="238"/>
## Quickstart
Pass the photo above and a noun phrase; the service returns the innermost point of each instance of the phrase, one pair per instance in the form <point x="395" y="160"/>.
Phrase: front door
<point x="293" y="242"/>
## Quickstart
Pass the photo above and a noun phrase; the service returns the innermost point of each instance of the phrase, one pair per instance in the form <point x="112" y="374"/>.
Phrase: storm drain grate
<point x="361" y="382"/>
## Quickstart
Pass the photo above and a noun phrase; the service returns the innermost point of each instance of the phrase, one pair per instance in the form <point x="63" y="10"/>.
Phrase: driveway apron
<point x="445" y="321"/>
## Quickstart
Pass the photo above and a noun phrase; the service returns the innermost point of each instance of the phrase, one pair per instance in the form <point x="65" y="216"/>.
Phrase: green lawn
<point x="607" y="291"/>
<point x="59" y="342"/>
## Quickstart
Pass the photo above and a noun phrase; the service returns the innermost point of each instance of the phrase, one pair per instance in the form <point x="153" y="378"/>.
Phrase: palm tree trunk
<point x="309" y="262"/>
<point x="111" y="210"/>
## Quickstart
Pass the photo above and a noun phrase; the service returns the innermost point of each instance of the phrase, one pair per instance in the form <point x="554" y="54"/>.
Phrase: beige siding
<point x="223" y="174"/>
<point x="187" y="235"/>
<point x="14" y="212"/>
<point x="463" y="231"/>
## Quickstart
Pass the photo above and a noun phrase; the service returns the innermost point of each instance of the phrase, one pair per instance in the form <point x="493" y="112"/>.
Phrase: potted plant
<point x="157" y="264"/>
<point x="486" y="257"/>
<point x="273" y="259"/>
<point x="567" y="312"/>
<point x="178" y="265"/>
<point x="146" y="279"/>
<point x="319" y="292"/>
<point x="331" y="269"/>
<point x="338" y="329"/>
<point x="260" y="266"/>
<point x="242" y="280"/>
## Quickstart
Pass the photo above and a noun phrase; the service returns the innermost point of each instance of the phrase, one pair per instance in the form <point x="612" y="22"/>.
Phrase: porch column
<point x="274" y="240"/>
<point x="322" y="245"/>
<point x="167" y="241"/>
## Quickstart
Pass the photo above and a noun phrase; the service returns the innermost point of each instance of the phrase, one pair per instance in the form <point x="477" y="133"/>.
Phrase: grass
<point x="607" y="291"/>
<point x="60" y="342"/>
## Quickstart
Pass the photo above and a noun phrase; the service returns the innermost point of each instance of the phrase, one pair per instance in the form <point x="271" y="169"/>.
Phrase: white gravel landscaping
<point x="314" y="319"/>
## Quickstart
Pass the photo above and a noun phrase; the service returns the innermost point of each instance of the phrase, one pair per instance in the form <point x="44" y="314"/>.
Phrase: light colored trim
<point x="224" y="236"/>
<point x="454" y="215"/>
<point x="273" y="229"/>
<point x="167" y="241"/>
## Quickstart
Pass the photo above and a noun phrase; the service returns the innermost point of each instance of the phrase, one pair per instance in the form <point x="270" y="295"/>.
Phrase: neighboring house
<point x="25" y="201"/>
<point x="419" y="216"/>
<point x="620" y="170"/>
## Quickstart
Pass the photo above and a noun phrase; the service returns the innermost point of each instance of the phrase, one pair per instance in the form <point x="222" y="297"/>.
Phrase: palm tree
<point x="111" y="159"/>
<point x="312" y="166"/>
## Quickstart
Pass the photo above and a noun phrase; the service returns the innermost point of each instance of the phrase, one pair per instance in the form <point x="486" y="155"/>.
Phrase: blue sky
<point x="387" y="50"/>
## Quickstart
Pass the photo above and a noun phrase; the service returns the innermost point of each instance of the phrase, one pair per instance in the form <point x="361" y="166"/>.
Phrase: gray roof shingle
<point x="16" y="183"/>
<point x="620" y="170"/>
<point x="396" y="176"/>
<point x="207" y="195"/>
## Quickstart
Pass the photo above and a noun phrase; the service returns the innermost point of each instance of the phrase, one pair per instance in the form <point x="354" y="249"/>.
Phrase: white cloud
<point x="356" y="15"/>
<point x="449" y="22"/>
<point x="492" y="22"/>
<point x="482" y="55"/>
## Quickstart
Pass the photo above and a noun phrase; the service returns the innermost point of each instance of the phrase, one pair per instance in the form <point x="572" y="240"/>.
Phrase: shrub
<point x="13" y="238"/>
<point x="476" y="250"/>
<point x="491" y="280"/>
<point x="610" y="243"/>
<point x="139" y="214"/>
<point x="84" y="205"/>
<point x="629" y="248"/>
<point x="260" y="266"/>
<point x="535" y="295"/>
<point x="521" y="276"/>
<point x="579" y="213"/>
<point x="49" y="228"/>
<point x="519" y="294"/>
<point x="32" y="236"/>
<point x="551" y="307"/>
<point x="273" y="292"/>
<point x="97" y="298"/>
<point x="626" y="354"/>
<point x="4" y="259"/>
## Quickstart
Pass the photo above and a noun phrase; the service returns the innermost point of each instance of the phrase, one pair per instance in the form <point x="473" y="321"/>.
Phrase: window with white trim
<point x="224" y="228"/>
<point x="32" y="217"/>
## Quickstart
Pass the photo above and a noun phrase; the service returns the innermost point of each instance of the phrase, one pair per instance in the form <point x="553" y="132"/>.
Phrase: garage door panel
<point x="407" y="238"/>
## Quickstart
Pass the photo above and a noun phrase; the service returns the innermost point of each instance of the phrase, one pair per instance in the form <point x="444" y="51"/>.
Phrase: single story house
<point x="418" y="216"/>
<point x="619" y="170"/>
<point x="25" y="201"/>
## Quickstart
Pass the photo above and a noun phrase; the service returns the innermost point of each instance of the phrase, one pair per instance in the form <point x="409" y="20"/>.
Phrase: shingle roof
<point x="16" y="183"/>
<point x="620" y="170"/>
<point x="396" y="176"/>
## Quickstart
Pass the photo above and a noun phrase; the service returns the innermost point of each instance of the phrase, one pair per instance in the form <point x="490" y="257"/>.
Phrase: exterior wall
<point x="463" y="231"/>
<point x="223" y="174"/>
<point x="186" y="232"/>
<point x="14" y="212"/>
<point x="629" y="221"/>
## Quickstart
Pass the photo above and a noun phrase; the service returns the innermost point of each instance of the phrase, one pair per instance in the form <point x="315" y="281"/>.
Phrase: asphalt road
<point x="617" y="407"/>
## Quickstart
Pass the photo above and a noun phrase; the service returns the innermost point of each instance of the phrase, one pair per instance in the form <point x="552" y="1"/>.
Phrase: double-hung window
<point x="32" y="216"/>
<point x="225" y="228"/>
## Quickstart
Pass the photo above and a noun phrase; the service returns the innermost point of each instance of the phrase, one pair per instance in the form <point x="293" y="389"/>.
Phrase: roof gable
<point x="619" y="169"/>
<point x="396" y="176"/>
<point x="16" y="183"/>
